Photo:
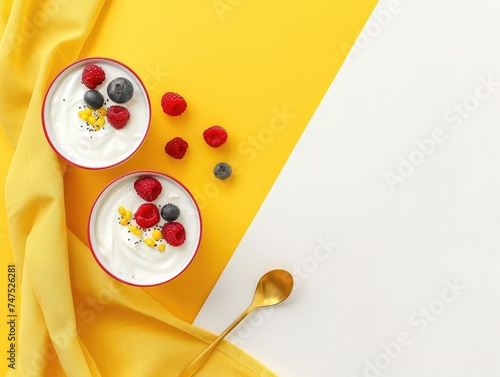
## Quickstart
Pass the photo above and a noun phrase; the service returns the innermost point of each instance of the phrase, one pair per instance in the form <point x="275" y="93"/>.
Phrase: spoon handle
<point x="198" y="362"/>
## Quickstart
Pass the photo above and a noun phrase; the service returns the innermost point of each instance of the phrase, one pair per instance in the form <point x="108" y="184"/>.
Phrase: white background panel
<point x="388" y="210"/>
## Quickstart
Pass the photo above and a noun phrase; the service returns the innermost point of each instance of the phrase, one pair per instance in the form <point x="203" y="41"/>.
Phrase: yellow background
<point x="259" y="69"/>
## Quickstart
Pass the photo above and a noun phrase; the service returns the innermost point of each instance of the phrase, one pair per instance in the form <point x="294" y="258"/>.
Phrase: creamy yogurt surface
<point x="73" y="139"/>
<point x="124" y="254"/>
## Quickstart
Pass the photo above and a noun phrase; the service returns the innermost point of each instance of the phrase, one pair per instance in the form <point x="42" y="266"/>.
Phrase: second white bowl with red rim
<point x="77" y="142"/>
<point x="125" y="255"/>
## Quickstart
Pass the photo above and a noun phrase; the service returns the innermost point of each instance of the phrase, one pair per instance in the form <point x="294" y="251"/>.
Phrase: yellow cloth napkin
<point x="75" y="319"/>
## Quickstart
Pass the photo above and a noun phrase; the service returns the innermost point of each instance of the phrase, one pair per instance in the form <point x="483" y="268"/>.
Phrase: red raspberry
<point x="148" y="188"/>
<point x="215" y="136"/>
<point x="92" y="76"/>
<point x="118" y="116"/>
<point x="173" y="104"/>
<point x="174" y="233"/>
<point x="176" y="148"/>
<point x="147" y="215"/>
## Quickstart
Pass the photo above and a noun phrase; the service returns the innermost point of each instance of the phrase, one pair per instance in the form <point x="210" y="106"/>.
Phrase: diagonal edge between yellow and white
<point x="386" y="211"/>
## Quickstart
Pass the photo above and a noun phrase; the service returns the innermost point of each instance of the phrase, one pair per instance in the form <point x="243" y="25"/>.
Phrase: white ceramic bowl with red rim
<point x="126" y="256"/>
<point x="76" y="141"/>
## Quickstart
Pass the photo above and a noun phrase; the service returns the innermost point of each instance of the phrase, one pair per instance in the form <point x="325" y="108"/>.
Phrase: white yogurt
<point x="73" y="139"/>
<point x="125" y="255"/>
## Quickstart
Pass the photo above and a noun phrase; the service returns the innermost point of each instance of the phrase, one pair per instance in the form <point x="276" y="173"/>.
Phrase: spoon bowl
<point x="273" y="287"/>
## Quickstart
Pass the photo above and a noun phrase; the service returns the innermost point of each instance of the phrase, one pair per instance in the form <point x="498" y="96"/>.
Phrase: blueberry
<point x="93" y="99"/>
<point x="120" y="90"/>
<point x="222" y="170"/>
<point x="170" y="212"/>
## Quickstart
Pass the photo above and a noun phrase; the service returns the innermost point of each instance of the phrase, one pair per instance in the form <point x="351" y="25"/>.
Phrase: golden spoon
<point x="274" y="287"/>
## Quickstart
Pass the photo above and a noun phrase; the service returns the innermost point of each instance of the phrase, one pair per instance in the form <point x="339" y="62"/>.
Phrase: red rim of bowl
<point x="144" y="172"/>
<point x="96" y="58"/>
